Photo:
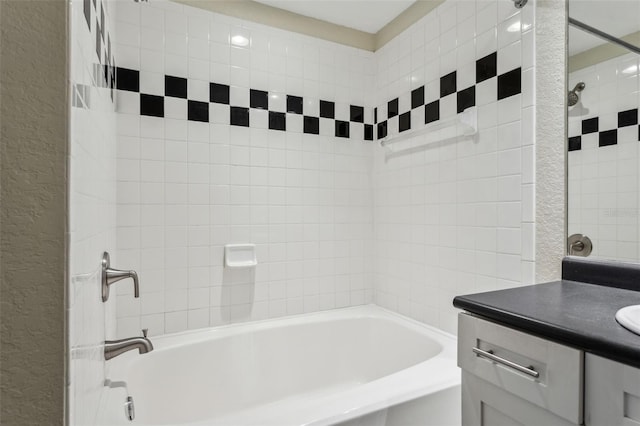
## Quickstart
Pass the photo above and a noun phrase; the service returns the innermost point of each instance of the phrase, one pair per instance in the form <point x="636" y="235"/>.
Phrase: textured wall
<point x="33" y="178"/>
<point x="551" y="39"/>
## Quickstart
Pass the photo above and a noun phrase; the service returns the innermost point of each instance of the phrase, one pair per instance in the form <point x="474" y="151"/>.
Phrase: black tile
<point x="294" y="104"/>
<point x="432" y="112"/>
<point x="342" y="129"/>
<point x="87" y="13"/>
<point x="239" y="116"/>
<point x="487" y="67"/>
<point x="175" y="87"/>
<point x="258" y="99"/>
<point x="277" y="120"/>
<point x="417" y="97"/>
<point x="368" y="132"/>
<point x="608" y="137"/>
<point x="357" y="114"/>
<point x="382" y="129"/>
<point x="509" y="84"/>
<point x="466" y="98"/>
<point x="589" y="126"/>
<point x="98" y="41"/>
<point x="375" y="115"/>
<point x="405" y="121"/>
<point x="448" y="84"/>
<point x="219" y="93"/>
<point x="392" y="108"/>
<point x="198" y="111"/>
<point x="327" y="109"/>
<point x="151" y="105"/>
<point x="628" y="118"/>
<point x="639" y="133"/>
<point x="311" y="125"/>
<point x="127" y="79"/>
<point x="575" y="143"/>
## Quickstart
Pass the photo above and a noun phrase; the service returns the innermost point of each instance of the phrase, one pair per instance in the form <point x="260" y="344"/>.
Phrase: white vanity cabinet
<point x="513" y="378"/>
<point x="612" y="393"/>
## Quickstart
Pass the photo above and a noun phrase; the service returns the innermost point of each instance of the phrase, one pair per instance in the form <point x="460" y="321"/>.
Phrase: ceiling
<point x="365" y="15"/>
<point x="616" y="17"/>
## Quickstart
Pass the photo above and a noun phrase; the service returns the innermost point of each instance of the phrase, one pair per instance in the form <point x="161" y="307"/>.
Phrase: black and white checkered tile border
<point x="605" y="137"/>
<point x="508" y="84"/>
<point x="104" y="71"/>
<point x="176" y="87"/>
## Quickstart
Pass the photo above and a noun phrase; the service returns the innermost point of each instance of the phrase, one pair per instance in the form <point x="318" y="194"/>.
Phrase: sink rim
<point x="629" y="318"/>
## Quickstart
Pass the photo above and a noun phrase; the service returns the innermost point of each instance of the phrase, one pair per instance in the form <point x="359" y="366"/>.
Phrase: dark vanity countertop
<point x="569" y="312"/>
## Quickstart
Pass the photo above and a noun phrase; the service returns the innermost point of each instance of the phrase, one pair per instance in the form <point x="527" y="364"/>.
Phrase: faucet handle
<point x="110" y="276"/>
<point x="144" y="332"/>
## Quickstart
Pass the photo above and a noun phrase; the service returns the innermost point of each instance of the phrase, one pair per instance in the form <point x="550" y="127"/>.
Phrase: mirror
<point x="604" y="136"/>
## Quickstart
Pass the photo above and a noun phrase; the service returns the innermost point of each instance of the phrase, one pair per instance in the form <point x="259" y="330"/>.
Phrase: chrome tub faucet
<point x="113" y="348"/>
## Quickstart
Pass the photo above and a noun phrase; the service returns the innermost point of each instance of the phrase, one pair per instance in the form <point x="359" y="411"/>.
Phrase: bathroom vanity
<point x="552" y="353"/>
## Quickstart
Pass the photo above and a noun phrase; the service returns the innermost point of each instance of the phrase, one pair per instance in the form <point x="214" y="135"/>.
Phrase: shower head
<point x="573" y="97"/>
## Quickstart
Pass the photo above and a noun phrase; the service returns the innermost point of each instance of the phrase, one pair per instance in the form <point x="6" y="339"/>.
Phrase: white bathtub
<point x="361" y="365"/>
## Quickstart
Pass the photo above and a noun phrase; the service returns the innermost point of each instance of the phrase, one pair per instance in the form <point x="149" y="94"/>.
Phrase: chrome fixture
<point x="113" y="348"/>
<point x="579" y="245"/>
<point x="520" y="3"/>
<point x="129" y="407"/>
<point x="573" y="97"/>
<point x="110" y="276"/>
<point x="493" y="357"/>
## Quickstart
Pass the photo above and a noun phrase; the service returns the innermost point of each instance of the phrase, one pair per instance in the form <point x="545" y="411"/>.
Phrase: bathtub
<point x="355" y="366"/>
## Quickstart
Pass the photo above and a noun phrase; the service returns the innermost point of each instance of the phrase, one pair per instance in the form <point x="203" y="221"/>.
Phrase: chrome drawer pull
<point x="489" y="354"/>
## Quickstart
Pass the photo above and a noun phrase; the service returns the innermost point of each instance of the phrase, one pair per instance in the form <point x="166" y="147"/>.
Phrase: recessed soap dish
<point x="240" y="255"/>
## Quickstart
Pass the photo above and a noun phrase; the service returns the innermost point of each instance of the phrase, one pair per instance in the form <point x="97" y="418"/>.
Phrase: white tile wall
<point x="336" y="222"/>
<point x="92" y="222"/>
<point x="456" y="217"/>
<point x="604" y="181"/>
<point x="187" y="188"/>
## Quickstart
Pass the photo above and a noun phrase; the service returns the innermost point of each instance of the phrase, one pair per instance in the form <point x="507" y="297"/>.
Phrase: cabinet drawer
<point x="612" y="393"/>
<point x="544" y="373"/>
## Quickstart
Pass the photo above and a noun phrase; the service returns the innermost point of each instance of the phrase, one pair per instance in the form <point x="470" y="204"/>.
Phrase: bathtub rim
<point x="371" y="310"/>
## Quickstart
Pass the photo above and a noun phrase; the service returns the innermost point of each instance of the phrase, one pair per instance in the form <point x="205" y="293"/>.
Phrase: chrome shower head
<point x="573" y="97"/>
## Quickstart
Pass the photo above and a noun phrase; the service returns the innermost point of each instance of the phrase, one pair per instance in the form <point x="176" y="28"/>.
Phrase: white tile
<point x="198" y="90"/>
<point x="509" y="57"/>
<point x="175" y="108"/>
<point x="509" y="31"/>
<point x="151" y="83"/>
<point x="175" y="322"/>
<point x="239" y="96"/>
<point x="151" y="60"/>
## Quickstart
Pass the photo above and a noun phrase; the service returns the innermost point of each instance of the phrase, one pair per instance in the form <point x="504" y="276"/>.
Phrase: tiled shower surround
<point x="92" y="202"/>
<point x="457" y="217"/>
<point x="244" y="155"/>
<point x="233" y="132"/>
<point x="603" y="152"/>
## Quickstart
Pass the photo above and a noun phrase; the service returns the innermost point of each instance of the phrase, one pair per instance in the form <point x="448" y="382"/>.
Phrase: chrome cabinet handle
<point x="110" y="276"/>
<point x="490" y="355"/>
